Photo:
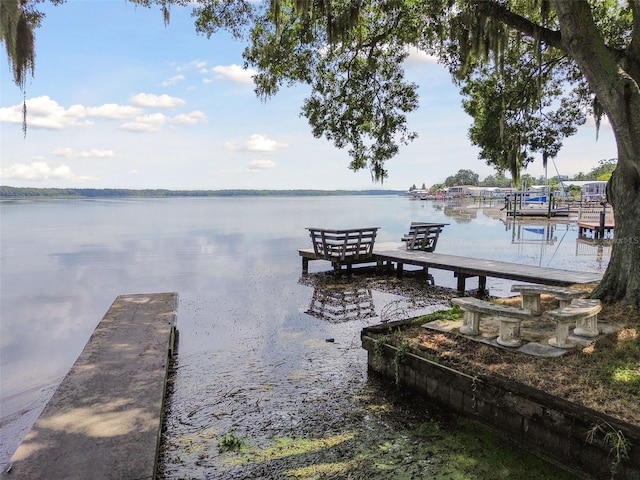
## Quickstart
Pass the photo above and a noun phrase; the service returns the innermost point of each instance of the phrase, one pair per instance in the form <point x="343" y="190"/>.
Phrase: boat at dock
<point x="534" y="204"/>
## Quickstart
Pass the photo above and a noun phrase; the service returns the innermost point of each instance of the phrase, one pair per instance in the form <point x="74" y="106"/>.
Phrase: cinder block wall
<point x="534" y="420"/>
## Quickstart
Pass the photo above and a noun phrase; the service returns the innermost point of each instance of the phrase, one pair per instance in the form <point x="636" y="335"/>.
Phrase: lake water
<point x="251" y="354"/>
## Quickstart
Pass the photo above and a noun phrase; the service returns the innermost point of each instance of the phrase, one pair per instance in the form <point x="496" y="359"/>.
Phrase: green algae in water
<point x="391" y="443"/>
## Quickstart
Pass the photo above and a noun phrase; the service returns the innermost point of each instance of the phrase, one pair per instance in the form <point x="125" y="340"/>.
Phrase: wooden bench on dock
<point x="582" y="311"/>
<point x="509" y="317"/>
<point x="104" y="420"/>
<point x="423" y="236"/>
<point x="341" y="247"/>
<point x="531" y="295"/>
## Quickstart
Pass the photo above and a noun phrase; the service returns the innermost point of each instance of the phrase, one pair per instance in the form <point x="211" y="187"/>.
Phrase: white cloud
<point x="146" y="123"/>
<point x="419" y="57"/>
<point x="93" y="153"/>
<point x="234" y="73"/>
<point x="173" y="80"/>
<point x="43" y="112"/>
<point x="197" y="64"/>
<point x="111" y="111"/>
<point x="259" y="165"/>
<point x="261" y="143"/>
<point x="38" y="171"/>
<point x="190" y="118"/>
<point x="155" y="101"/>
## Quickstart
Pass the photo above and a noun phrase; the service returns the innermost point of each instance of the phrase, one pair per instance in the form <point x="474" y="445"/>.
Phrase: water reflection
<point x="341" y="303"/>
<point x="598" y="248"/>
<point x="457" y="209"/>
<point x="533" y="233"/>
<point x="460" y="214"/>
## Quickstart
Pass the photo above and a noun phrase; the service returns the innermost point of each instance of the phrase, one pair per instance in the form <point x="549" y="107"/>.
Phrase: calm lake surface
<point x="247" y="342"/>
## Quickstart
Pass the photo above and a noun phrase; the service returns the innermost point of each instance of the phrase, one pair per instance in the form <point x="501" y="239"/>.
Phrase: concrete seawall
<point x="569" y="434"/>
<point x="104" y="420"/>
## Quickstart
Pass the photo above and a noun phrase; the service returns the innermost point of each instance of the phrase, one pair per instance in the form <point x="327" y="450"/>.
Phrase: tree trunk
<point x="621" y="282"/>
<point x="618" y="92"/>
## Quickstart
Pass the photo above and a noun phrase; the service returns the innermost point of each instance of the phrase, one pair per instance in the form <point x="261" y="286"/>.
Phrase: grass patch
<point x="452" y="314"/>
<point x="615" y="363"/>
<point x="608" y="370"/>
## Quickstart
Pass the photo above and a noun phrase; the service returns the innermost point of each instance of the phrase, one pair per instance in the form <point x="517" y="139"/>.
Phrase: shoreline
<point x="20" y="411"/>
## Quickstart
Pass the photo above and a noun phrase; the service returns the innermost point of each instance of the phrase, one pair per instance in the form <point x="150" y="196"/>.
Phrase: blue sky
<point x="118" y="100"/>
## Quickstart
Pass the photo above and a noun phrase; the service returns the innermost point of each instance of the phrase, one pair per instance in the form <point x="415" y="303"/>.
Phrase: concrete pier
<point x="104" y="420"/>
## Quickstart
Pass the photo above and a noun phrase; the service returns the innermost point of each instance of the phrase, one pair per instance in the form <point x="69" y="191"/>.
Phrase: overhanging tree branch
<point x="525" y="26"/>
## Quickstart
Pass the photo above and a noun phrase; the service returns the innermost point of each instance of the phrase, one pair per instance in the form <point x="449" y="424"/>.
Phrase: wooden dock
<point x="596" y="223"/>
<point x="104" y="420"/>
<point x="467" y="267"/>
<point x="596" y="230"/>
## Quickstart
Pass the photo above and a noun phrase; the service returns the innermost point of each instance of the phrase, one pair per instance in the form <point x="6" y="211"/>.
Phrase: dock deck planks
<point x="465" y="267"/>
<point x="104" y="420"/>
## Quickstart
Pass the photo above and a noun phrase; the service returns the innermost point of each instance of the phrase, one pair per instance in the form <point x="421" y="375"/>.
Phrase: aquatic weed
<point x="401" y="350"/>
<point x="230" y="442"/>
<point x="378" y="345"/>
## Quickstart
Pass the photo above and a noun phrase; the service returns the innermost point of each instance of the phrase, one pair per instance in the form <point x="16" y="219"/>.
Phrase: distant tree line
<point x="602" y="172"/>
<point x="70" y="193"/>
